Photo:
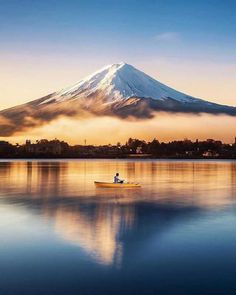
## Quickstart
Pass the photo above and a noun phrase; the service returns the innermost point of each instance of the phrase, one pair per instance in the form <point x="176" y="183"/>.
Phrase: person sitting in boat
<point x="117" y="180"/>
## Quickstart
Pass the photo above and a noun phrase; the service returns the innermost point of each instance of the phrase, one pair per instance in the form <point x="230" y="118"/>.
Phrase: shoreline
<point x="118" y="158"/>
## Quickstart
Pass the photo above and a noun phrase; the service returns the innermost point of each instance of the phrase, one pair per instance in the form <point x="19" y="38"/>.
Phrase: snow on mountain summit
<point x="117" y="82"/>
<point x="118" y="90"/>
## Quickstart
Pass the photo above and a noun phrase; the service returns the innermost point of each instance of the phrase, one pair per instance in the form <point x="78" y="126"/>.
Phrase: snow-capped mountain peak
<point x="116" y="90"/>
<point x="118" y="82"/>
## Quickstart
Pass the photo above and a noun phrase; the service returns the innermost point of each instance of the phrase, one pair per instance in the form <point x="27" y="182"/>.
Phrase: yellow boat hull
<point x="116" y="185"/>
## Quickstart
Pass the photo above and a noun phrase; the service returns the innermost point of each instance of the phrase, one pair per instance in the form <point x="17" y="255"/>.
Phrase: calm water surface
<point x="61" y="235"/>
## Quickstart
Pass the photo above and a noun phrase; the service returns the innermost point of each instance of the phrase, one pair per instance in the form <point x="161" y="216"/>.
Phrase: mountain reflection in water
<point x="99" y="220"/>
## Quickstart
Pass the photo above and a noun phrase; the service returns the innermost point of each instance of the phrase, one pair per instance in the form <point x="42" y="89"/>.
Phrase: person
<point x="116" y="179"/>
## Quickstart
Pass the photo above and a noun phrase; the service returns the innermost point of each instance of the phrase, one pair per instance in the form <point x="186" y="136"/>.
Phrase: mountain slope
<point x="116" y="90"/>
<point x="120" y="81"/>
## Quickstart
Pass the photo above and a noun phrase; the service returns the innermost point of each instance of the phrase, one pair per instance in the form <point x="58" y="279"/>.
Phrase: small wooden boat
<point x="116" y="185"/>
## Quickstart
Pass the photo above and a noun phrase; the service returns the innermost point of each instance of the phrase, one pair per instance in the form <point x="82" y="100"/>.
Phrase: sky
<point x="49" y="44"/>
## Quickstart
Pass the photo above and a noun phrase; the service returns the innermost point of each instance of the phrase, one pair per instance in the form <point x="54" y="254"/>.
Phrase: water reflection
<point x="97" y="219"/>
<point x="95" y="228"/>
<point x="177" y="181"/>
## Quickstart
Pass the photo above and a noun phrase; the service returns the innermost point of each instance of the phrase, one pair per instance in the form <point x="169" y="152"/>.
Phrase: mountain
<point x="116" y="90"/>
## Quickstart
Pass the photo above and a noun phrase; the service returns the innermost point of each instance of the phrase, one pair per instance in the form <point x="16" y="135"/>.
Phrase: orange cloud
<point x="104" y="130"/>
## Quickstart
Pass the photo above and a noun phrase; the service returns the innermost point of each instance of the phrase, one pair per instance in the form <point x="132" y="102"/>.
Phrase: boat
<point x="116" y="185"/>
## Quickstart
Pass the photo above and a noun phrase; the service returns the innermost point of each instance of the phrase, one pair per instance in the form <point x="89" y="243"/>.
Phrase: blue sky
<point x="169" y="39"/>
<point x="197" y="28"/>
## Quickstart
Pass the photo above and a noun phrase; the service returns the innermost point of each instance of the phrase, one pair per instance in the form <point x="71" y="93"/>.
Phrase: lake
<point x="61" y="235"/>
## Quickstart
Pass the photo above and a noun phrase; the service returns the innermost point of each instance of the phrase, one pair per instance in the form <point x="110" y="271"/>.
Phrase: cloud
<point x="23" y="118"/>
<point x="167" y="37"/>
<point x="163" y="126"/>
